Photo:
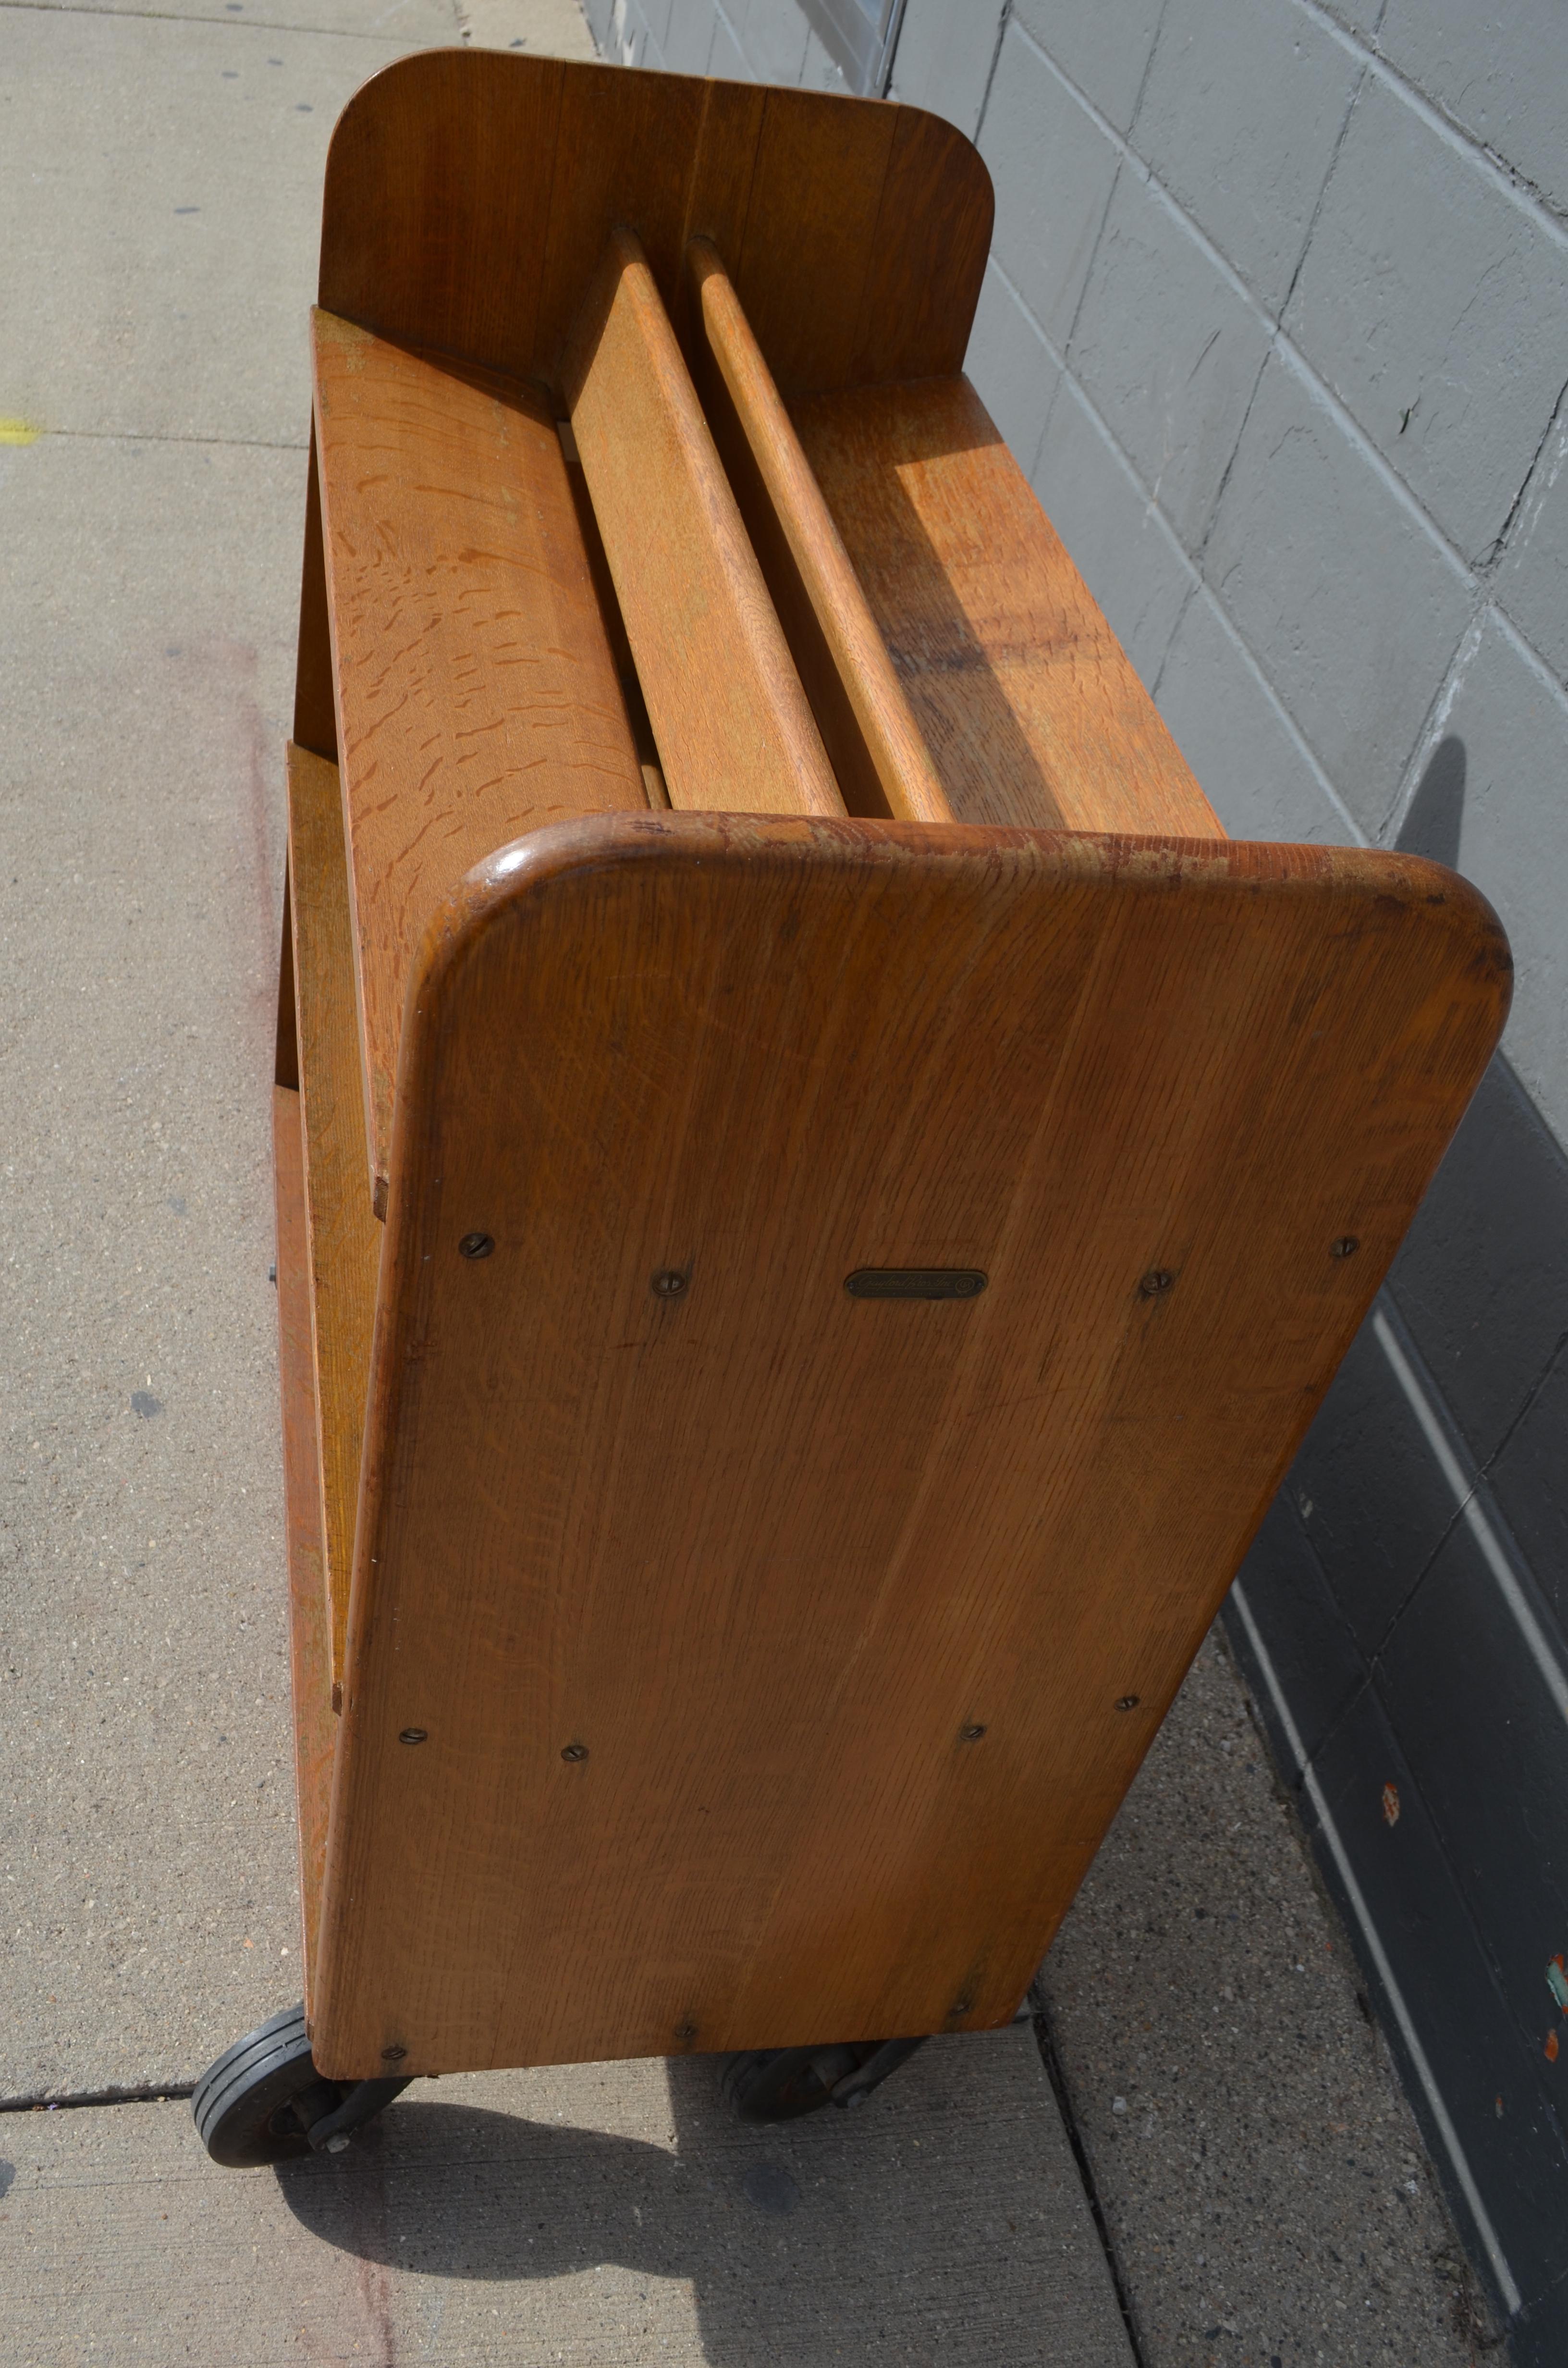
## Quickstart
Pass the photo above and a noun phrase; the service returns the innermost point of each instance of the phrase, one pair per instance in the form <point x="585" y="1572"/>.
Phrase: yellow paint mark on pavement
<point x="18" y="431"/>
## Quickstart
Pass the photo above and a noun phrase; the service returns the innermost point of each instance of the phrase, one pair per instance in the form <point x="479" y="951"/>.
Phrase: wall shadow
<point x="1436" y="813"/>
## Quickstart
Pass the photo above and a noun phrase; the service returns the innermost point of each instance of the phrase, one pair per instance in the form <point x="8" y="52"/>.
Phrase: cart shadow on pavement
<point x="941" y="2205"/>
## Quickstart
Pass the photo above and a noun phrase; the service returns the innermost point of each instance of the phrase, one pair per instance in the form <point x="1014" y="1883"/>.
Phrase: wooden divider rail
<point x="817" y="1191"/>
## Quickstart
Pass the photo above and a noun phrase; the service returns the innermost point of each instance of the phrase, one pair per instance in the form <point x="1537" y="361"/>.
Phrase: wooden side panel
<point x="476" y="693"/>
<point x="732" y="723"/>
<point x="878" y="756"/>
<point x="469" y="194"/>
<point x="345" y="1238"/>
<point x="1028" y="705"/>
<point x="315" y="1729"/>
<point x="834" y="1600"/>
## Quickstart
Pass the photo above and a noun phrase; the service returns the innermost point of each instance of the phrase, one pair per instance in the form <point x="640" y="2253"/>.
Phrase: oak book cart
<point x="817" y="1191"/>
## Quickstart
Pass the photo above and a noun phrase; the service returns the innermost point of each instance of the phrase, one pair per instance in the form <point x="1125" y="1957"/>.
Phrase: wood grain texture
<point x="1031" y="708"/>
<point x="309" y="1648"/>
<point x="734" y="729"/>
<point x="345" y="1238"/>
<point x="878" y="756"/>
<point x="476" y="693"/>
<point x="470" y="195"/>
<point x="766" y="1550"/>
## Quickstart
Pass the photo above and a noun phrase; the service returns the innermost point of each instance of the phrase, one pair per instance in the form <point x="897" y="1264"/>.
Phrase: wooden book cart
<point x="817" y="1193"/>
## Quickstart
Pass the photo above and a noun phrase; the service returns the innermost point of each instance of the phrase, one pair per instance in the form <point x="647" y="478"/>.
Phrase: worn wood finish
<point x="881" y="761"/>
<point x="765" y="1550"/>
<point x="309" y="1651"/>
<point x="470" y="195"/>
<point x="1029" y="706"/>
<point x="733" y="726"/>
<point x="345" y="1238"/>
<point x="476" y="693"/>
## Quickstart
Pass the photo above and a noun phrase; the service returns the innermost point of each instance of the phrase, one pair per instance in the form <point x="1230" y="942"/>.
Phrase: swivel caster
<point x="263" y="2101"/>
<point x="780" y="2084"/>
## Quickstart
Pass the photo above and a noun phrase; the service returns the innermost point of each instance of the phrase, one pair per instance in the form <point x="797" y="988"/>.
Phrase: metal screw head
<point x="1156" y="1282"/>
<point x="685" y="2031"/>
<point x="415" y="1735"/>
<point x="1130" y="1701"/>
<point x="970" y="1734"/>
<point x="393" y="2054"/>
<point x="669" y="1283"/>
<point x="476" y="1246"/>
<point x="1345" y="1246"/>
<point x="963" y="2006"/>
<point x="574" y="1752"/>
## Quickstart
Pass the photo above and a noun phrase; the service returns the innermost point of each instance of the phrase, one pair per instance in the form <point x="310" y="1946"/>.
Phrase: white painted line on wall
<point x="1496" y="1558"/>
<point x="1512" y="2298"/>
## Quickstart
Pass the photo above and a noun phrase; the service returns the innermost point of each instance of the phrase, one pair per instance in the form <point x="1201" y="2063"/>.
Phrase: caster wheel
<point x="782" y="2084"/>
<point x="255" y="2103"/>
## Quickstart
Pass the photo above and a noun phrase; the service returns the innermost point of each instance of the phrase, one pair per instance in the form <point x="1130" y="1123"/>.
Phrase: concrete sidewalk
<point x="161" y="177"/>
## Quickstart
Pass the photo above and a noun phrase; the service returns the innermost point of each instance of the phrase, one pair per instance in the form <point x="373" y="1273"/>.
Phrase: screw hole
<point x="1347" y="1246"/>
<point x="669" y="1283"/>
<point x="1156" y="1282"/>
<point x="415" y="1735"/>
<point x="393" y="2054"/>
<point x="970" y="1734"/>
<point x="1130" y="1701"/>
<point x="476" y="1246"/>
<point x="574" y="1752"/>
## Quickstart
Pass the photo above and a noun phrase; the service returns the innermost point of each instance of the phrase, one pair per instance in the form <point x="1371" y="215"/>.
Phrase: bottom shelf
<point x="310" y="1646"/>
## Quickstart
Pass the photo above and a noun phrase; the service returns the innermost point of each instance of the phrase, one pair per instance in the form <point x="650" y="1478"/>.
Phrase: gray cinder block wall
<point x="1276" y="323"/>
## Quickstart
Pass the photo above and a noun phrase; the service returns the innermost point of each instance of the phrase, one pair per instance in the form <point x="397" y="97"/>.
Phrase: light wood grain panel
<point x="469" y="194"/>
<point x="309" y="1644"/>
<point x="733" y="726"/>
<point x="878" y="756"/>
<point x="476" y="693"/>
<point x="764" y="1550"/>
<point x="1028" y="705"/>
<point x="345" y="1238"/>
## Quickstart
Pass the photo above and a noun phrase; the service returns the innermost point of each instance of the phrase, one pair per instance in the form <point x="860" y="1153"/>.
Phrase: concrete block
<point x="820" y="70"/>
<point x="600" y="2215"/>
<point x="1240" y="116"/>
<point x="1436" y="306"/>
<point x="1012" y="367"/>
<point x="1103" y="49"/>
<point x="1349" y="603"/>
<point x="1119" y="544"/>
<point x="1053" y="168"/>
<point x="726" y="60"/>
<point x="1532" y="581"/>
<point x="1234" y="735"/>
<point x="1169" y="352"/>
<point x="1512" y="722"/>
<point x="1501" y="73"/>
<point x="688" y="36"/>
<point x="944" y="58"/>
<point x="773" y="36"/>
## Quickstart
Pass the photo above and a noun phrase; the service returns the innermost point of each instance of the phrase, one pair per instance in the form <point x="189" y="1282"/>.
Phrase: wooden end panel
<point x="476" y="693"/>
<point x="871" y="737"/>
<point x="344" y="1236"/>
<point x="310" y="1645"/>
<point x="1029" y="706"/>
<point x="469" y="194"/>
<point x="701" y="1596"/>
<point x="734" y="729"/>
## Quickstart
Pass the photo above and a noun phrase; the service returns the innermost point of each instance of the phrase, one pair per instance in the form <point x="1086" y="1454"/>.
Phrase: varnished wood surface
<point x="733" y="727"/>
<point x="476" y="694"/>
<point x="344" y="1236"/>
<point x="470" y="195"/>
<point x="310" y="1653"/>
<point x="1031" y="708"/>
<point x="765" y="1550"/>
<point x="878" y="757"/>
